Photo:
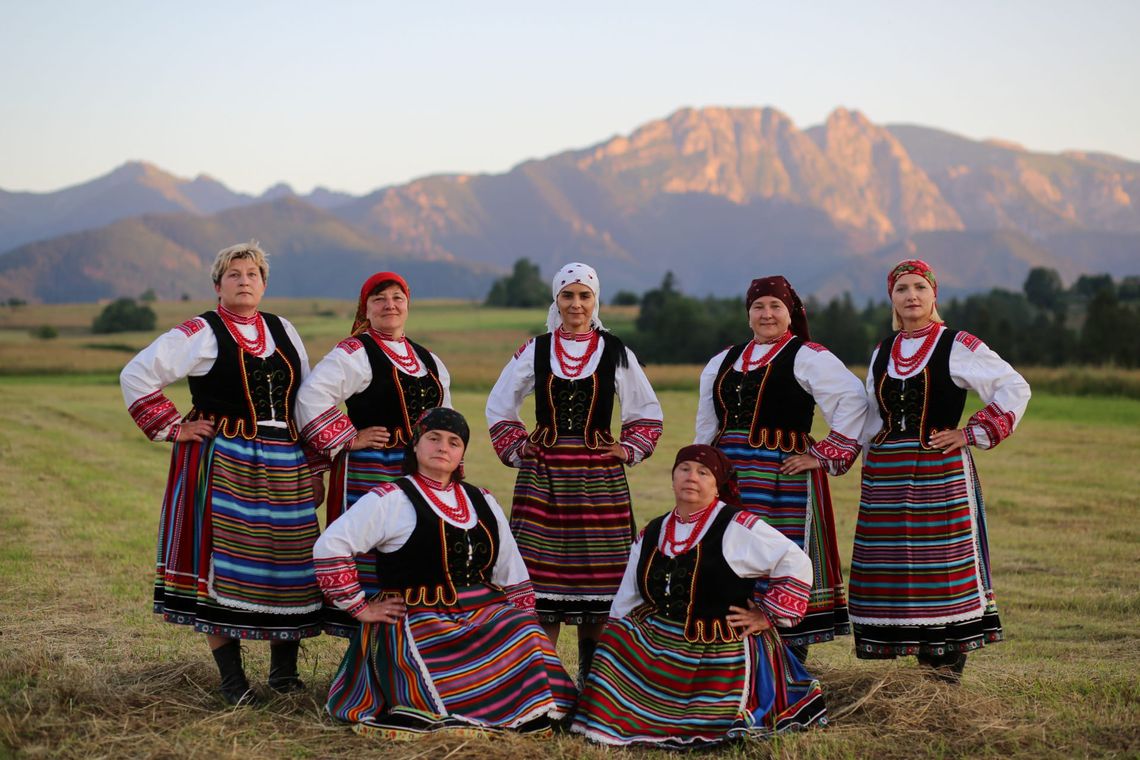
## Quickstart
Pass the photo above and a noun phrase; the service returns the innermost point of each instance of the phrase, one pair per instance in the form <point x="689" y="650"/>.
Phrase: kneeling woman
<point x="685" y="660"/>
<point x="452" y="640"/>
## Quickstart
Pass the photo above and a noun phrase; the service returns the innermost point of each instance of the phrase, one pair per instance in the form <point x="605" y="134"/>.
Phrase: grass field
<point x="87" y="671"/>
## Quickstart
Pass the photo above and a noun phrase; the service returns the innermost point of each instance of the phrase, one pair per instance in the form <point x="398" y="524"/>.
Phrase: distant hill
<point x="716" y="195"/>
<point x="311" y="254"/>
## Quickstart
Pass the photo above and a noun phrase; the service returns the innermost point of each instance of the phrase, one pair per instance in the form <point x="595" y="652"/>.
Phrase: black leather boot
<point x="235" y="688"/>
<point x="283" y="667"/>
<point x="586" y="649"/>
<point x="946" y="668"/>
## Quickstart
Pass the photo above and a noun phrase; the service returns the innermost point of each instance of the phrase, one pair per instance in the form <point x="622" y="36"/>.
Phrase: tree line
<point x="1096" y="320"/>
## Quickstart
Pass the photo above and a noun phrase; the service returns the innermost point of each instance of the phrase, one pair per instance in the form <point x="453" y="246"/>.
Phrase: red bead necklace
<point x="904" y="365"/>
<point x="572" y="366"/>
<point x="698" y="518"/>
<point x="410" y="363"/>
<point x="460" y="513"/>
<point x="231" y="321"/>
<point x="746" y="362"/>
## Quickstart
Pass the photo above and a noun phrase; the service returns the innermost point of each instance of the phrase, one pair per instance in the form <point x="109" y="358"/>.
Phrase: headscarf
<point x="437" y="418"/>
<point x="360" y="322"/>
<point x="921" y="268"/>
<point x="722" y="469"/>
<point x="911" y="266"/>
<point x="777" y="286"/>
<point x="574" y="272"/>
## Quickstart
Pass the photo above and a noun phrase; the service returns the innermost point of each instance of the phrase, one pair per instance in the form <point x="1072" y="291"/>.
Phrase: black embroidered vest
<point x="922" y="403"/>
<point x="695" y="588"/>
<point x="394" y="399"/>
<point x="581" y="407"/>
<point x="767" y="401"/>
<point x="439" y="557"/>
<point x="241" y="390"/>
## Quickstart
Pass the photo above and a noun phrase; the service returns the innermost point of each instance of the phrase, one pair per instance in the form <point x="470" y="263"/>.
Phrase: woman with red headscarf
<point x="757" y="400"/>
<point x="920" y="577"/>
<point x="687" y="659"/>
<point x="385" y="381"/>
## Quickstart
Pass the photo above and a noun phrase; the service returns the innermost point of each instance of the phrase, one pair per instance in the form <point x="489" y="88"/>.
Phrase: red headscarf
<point x="360" y="322"/>
<point x="720" y="465"/>
<point x="778" y="287"/>
<point x="911" y="266"/>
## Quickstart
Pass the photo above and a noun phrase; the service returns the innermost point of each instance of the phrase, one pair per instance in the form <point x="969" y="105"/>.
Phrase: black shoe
<point x="235" y="689"/>
<point x="586" y="649"/>
<point x="946" y="668"/>
<point x="283" y="667"/>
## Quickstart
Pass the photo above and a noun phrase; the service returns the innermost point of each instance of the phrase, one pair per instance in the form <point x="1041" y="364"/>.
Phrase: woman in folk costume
<point x="385" y="381"/>
<point x="920" y="571"/>
<point x="239" y="515"/>
<point x="451" y="641"/>
<point x="687" y="658"/>
<point x="756" y="405"/>
<point x="571" y="513"/>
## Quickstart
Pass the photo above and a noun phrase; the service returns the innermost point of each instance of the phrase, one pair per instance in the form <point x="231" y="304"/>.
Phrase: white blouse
<point x="752" y="549"/>
<point x="188" y="350"/>
<point x="973" y="366"/>
<point x="344" y="372"/>
<point x="383" y="520"/>
<point x="826" y="379"/>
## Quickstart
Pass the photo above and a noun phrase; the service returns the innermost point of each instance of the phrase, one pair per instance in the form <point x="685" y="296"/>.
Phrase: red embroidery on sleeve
<point x="350" y="345"/>
<point x="747" y="519"/>
<point x="191" y="326"/>
<point x="520" y="349"/>
<point x="817" y="347"/>
<point x="969" y="341"/>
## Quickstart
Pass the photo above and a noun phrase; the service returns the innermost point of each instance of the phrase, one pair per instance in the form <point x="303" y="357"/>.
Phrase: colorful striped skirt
<point x="481" y="662"/>
<point x="573" y="523"/>
<point x="920" y="578"/>
<point x="236" y="535"/>
<point x="649" y="685"/>
<point x="799" y="506"/>
<point x="355" y="473"/>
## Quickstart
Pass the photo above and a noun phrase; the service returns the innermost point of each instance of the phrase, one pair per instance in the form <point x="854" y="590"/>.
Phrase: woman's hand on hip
<point x="198" y="431"/>
<point x="390" y="609"/>
<point x="794" y="465"/>
<point x="370" y="438"/>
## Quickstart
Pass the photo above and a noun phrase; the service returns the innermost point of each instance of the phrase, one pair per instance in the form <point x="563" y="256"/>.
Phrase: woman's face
<point x="387" y="311"/>
<point x="769" y="318"/>
<point x="241" y="287"/>
<point x="913" y="300"/>
<point x="694" y="485"/>
<point x="438" y="454"/>
<point x="576" y="307"/>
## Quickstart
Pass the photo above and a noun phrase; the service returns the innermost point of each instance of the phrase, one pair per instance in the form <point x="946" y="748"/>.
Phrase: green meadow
<point x="87" y="671"/>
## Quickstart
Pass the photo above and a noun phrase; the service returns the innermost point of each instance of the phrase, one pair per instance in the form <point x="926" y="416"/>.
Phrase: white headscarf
<point x="583" y="274"/>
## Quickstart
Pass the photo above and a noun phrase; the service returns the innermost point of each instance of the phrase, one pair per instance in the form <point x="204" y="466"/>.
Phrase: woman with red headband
<point x="687" y="659"/>
<point x="757" y="400"/>
<point x="385" y="381"/>
<point x="920" y="571"/>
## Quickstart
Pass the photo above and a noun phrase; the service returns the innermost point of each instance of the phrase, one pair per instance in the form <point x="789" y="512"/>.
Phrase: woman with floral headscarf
<point x="687" y="659"/>
<point x="571" y="512"/>
<point x="385" y="381"/>
<point x="920" y="570"/>
<point x="757" y="400"/>
<point x="451" y="640"/>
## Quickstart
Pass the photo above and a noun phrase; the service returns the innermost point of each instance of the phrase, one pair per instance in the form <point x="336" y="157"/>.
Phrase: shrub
<point x="124" y="315"/>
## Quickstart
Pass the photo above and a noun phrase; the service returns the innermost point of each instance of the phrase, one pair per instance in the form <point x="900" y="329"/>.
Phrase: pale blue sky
<point x="357" y="95"/>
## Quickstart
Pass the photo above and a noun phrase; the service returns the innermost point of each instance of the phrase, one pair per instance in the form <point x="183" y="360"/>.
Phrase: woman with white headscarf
<point x="571" y="514"/>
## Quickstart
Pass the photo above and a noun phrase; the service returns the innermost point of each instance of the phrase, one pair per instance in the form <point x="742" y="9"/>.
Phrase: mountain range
<point x="716" y="195"/>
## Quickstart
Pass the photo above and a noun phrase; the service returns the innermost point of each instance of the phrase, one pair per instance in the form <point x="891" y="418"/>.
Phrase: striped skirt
<point x="573" y="523"/>
<point x="920" y="579"/>
<point x="799" y="506"/>
<point x="355" y="473"/>
<point x="236" y="535"/>
<point x="481" y="662"/>
<point x="648" y="685"/>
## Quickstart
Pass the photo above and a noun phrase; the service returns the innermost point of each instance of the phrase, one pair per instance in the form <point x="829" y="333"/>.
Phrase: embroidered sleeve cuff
<point x="521" y="595"/>
<point x="836" y="452"/>
<point x="318" y="463"/>
<point x="994" y="423"/>
<point x="338" y="581"/>
<point x="639" y="439"/>
<point x="508" y="438"/>
<point x="156" y="416"/>
<point x="328" y="431"/>
<point x="787" y="598"/>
